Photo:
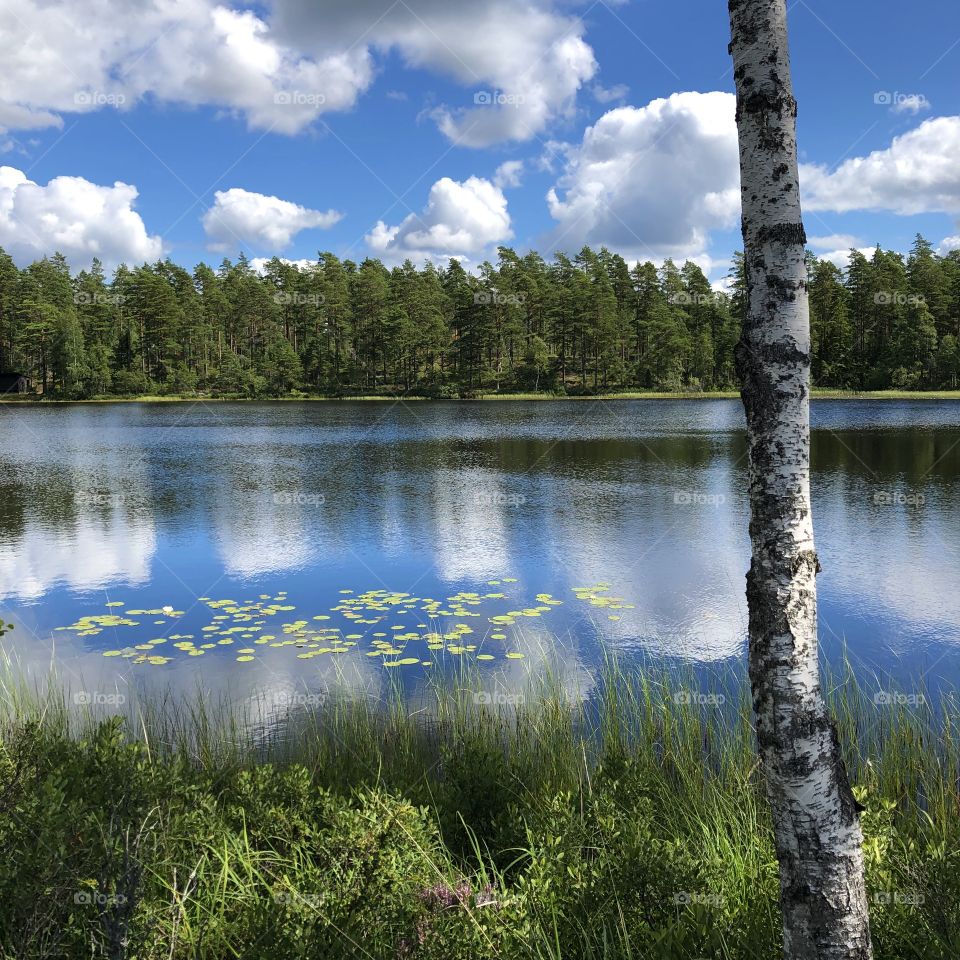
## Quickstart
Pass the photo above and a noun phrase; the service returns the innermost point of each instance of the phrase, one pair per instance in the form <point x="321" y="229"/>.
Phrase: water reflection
<point x="167" y="503"/>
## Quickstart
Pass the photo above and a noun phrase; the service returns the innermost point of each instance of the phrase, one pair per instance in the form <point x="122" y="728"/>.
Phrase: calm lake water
<point x="292" y="542"/>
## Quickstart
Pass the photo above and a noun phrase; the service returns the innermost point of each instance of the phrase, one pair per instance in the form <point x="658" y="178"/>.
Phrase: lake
<point x="250" y="547"/>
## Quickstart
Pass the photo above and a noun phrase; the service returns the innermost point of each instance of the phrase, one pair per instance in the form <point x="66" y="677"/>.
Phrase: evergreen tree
<point x="585" y="324"/>
<point x="829" y="325"/>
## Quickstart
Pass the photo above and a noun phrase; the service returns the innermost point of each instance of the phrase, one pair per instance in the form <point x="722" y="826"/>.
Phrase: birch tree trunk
<point x="815" y="817"/>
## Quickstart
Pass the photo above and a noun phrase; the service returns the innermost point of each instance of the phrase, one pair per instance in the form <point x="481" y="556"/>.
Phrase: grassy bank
<point x="816" y="394"/>
<point x="632" y="829"/>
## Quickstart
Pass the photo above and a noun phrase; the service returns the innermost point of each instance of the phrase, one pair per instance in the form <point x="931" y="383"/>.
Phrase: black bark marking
<point x="822" y="891"/>
<point x="785" y="233"/>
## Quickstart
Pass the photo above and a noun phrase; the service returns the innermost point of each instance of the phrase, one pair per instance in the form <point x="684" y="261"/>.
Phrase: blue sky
<point x="360" y="128"/>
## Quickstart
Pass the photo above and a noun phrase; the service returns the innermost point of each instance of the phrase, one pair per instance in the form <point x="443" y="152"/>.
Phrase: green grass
<point x="205" y="398"/>
<point x="623" y="395"/>
<point x="819" y="393"/>
<point x="632" y="827"/>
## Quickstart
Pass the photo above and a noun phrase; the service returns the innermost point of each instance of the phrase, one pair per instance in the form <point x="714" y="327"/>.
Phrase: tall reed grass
<point x="450" y="823"/>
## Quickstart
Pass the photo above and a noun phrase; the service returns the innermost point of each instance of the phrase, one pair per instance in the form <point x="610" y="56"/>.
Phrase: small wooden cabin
<point x="15" y="382"/>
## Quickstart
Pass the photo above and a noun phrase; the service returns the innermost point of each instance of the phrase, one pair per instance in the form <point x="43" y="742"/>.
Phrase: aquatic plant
<point x="436" y="628"/>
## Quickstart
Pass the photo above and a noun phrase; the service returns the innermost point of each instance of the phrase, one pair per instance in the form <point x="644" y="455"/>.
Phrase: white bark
<point x="815" y="817"/>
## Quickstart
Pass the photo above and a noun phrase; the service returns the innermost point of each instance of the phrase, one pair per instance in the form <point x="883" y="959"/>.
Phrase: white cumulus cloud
<point x="461" y="219"/>
<point x="259" y="264"/>
<point x="75" y="56"/>
<point x="652" y="181"/>
<point x="910" y="103"/>
<point x="80" y="219"/>
<point x="239" y="217"/>
<point x="283" y="65"/>
<point x="520" y="62"/>
<point x="841" y="256"/>
<point x="833" y="241"/>
<point x="917" y="173"/>
<point x="508" y="174"/>
<point x="836" y="248"/>
<point x="604" y="94"/>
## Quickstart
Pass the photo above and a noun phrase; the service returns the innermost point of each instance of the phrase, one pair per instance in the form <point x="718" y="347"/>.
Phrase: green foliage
<point x="584" y="325"/>
<point x="635" y="826"/>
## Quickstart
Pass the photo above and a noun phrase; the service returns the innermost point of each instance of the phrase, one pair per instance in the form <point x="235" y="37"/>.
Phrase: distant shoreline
<point x="628" y="395"/>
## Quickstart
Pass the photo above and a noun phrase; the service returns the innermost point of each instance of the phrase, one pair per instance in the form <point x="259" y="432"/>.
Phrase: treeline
<point x="590" y="323"/>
